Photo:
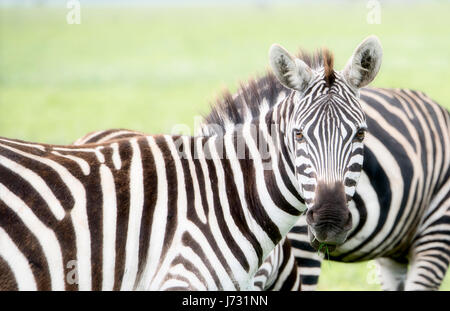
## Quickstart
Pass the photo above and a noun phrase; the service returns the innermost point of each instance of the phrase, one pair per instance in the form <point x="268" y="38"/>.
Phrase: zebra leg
<point x="430" y="252"/>
<point x="308" y="260"/>
<point x="429" y="263"/>
<point x="392" y="273"/>
<point x="428" y="268"/>
<point x="309" y="272"/>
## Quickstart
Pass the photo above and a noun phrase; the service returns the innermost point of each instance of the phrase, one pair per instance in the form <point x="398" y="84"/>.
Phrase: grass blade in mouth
<point x="326" y="252"/>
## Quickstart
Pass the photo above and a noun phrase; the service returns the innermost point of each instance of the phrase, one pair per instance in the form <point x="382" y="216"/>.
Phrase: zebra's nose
<point x="329" y="224"/>
<point x="318" y="216"/>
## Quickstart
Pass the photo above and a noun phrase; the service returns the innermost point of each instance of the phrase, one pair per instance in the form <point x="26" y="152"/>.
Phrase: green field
<point x="151" y="68"/>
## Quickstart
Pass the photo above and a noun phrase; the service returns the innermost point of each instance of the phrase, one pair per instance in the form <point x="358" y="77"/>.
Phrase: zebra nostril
<point x="348" y="224"/>
<point x="310" y="217"/>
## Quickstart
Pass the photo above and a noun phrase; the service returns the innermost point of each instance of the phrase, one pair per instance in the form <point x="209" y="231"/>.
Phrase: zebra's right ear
<point x="290" y="71"/>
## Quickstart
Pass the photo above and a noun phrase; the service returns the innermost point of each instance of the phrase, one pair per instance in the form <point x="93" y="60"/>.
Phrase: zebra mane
<point x="247" y="102"/>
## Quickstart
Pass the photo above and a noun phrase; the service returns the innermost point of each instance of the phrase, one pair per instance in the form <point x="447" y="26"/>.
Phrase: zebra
<point x="401" y="208"/>
<point x="376" y="205"/>
<point x="279" y="270"/>
<point x="166" y="212"/>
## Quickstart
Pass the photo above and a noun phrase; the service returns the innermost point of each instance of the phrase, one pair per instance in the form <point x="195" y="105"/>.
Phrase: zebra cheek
<point x="306" y="189"/>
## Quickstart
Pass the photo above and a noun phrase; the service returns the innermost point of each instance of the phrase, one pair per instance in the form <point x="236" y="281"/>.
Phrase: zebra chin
<point x="331" y="243"/>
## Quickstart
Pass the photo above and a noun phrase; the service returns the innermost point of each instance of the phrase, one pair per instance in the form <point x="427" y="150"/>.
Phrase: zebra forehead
<point x="330" y="107"/>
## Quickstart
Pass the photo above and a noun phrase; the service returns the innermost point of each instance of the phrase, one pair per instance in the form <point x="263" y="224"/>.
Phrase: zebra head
<point x="324" y="133"/>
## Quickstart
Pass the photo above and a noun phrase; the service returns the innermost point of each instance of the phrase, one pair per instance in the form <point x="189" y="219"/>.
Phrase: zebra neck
<point x="260" y="168"/>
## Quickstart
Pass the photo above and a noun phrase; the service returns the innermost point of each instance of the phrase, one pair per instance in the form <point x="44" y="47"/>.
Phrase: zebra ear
<point x="290" y="71"/>
<point x="364" y="64"/>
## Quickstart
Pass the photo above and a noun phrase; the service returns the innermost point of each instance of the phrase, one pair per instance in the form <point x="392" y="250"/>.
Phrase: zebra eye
<point x="360" y="135"/>
<point x="298" y="135"/>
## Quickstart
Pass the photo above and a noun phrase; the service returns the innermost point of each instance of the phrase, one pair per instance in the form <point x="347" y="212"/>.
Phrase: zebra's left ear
<point x="365" y="63"/>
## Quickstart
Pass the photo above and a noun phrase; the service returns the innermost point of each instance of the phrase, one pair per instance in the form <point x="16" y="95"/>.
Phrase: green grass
<point x="355" y="276"/>
<point x="150" y="68"/>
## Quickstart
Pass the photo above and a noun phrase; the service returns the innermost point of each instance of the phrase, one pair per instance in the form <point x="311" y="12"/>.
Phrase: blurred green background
<point x="149" y="68"/>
